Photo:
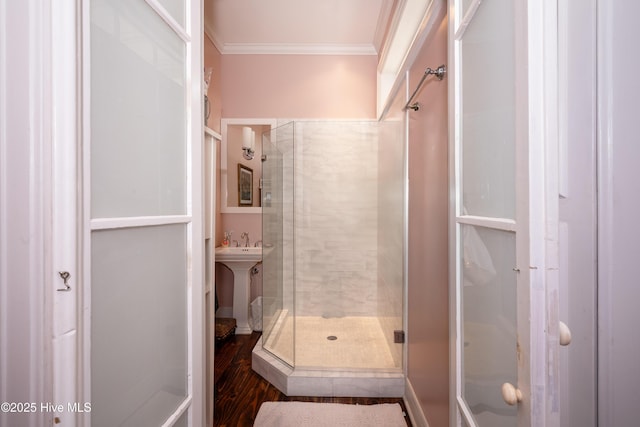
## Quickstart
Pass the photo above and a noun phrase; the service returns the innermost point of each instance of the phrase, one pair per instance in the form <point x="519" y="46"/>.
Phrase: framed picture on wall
<point x="245" y="185"/>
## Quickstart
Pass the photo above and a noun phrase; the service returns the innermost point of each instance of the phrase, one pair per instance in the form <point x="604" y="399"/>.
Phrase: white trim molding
<point x="414" y="409"/>
<point x="295" y="49"/>
<point x="25" y="216"/>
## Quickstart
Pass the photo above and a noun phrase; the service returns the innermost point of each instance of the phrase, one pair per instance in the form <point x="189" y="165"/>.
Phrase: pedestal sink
<point x="240" y="260"/>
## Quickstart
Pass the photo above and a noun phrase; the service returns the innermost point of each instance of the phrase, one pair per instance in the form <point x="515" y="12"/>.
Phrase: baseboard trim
<point x="414" y="409"/>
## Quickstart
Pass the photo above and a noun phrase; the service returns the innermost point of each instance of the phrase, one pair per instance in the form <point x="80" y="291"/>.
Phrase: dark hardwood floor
<point x="239" y="391"/>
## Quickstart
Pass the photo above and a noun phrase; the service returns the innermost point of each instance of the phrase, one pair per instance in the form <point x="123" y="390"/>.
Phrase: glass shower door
<point x="277" y="241"/>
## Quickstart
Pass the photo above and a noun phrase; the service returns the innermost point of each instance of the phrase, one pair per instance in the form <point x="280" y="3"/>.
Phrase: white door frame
<point x="65" y="293"/>
<point x="25" y="210"/>
<point x="543" y="214"/>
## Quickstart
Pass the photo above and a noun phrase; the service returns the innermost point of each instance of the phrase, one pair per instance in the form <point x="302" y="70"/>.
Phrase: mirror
<point x="239" y="176"/>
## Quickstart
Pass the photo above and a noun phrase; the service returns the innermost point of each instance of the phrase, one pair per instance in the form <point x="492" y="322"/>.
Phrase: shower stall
<point x="333" y="218"/>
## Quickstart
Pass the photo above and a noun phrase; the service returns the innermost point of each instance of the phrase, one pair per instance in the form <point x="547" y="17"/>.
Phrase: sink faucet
<point x="258" y="244"/>
<point x="245" y="236"/>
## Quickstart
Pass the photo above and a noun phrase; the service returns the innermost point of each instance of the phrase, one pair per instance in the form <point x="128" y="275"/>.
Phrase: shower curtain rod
<point x="438" y="72"/>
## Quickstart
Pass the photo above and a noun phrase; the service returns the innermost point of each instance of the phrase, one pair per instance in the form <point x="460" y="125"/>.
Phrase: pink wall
<point x="299" y="86"/>
<point x="289" y="87"/>
<point x="428" y="317"/>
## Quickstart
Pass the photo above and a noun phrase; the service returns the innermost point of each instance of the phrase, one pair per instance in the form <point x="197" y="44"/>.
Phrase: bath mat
<point x="311" y="414"/>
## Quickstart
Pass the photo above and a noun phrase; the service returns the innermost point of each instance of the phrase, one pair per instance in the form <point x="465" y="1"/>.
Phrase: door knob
<point x="565" y="334"/>
<point x="510" y="394"/>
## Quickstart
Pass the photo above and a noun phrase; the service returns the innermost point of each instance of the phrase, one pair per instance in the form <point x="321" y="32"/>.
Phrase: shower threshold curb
<point x="323" y="383"/>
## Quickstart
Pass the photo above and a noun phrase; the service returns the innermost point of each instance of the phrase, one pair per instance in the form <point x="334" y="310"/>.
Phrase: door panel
<point x="487" y="194"/>
<point x="489" y="313"/>
<point x="488" y="122"/>
<point x="139" y="324"/>
<point x="503" y="136"/>
<point x="138" y="112"/>
<point x="143" y="169"/>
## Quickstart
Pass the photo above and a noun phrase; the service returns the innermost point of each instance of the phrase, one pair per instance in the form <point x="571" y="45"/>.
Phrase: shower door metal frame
<point x="274" y="249"/>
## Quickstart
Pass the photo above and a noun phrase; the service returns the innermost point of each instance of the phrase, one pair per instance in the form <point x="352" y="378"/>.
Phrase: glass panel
<point x="488" y="102"/>
<point x="347" y="270"/>
<point x="143" y="136"/>
<point x="391" y="216"/>
<point x="183" y="421"/>
<point x="277" y="238"/>
<point x="339" y="282"/>
<point x="175" y="8"/>
<point x="489" y="323"/>
<point x="138" y="325"/>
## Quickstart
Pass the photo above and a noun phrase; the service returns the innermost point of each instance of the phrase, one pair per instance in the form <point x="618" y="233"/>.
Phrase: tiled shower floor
<point x="359" y="343"/>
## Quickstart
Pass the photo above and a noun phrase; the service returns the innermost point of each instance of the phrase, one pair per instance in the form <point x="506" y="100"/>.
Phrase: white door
<point x="143" y="299"/>
<point x="504" y="221"/>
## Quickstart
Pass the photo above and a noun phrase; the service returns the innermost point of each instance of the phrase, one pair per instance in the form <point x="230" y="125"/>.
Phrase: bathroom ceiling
<point x="298" y="26"/>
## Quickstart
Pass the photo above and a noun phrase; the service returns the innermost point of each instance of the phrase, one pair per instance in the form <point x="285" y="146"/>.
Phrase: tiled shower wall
<point x="336" y="218"/>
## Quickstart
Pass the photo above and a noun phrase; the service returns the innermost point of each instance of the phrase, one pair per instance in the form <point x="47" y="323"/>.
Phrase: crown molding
<point x="211" y="35"/>
<point x="296" y="49"/>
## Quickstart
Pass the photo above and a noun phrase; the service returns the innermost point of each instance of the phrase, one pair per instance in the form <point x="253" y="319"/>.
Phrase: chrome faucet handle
<point x="258" y="243"/>
<point x="237" y="243"/>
